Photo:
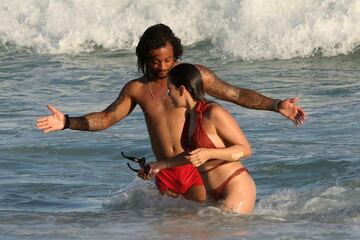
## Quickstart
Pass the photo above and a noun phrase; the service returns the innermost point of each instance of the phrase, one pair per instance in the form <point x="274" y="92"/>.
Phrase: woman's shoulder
<point x="216" y="111"/>
<point x="221" y="118"/>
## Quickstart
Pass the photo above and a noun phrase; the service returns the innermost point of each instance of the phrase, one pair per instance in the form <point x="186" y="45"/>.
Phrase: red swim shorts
<point x="178" y="179"/>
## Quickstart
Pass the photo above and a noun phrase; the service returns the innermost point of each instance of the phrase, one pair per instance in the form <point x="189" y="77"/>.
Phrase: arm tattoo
<point x="253" y="100"/>
<point x="111" y="110"/>
<point x="79" y="123"/>
<point x="89" y="122"/>
<point x="113" y="106"/>
<point x="101" y="120"/>
<point x="241" y="96"/>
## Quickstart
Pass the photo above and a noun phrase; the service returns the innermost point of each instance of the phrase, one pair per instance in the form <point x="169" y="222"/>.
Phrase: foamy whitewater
<point x="249" y="29"/>
<point x="77" y="55"/>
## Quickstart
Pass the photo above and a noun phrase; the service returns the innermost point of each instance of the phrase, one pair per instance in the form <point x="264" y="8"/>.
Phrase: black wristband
<point x="67" y="122"/>
<point x="274" y="106"/>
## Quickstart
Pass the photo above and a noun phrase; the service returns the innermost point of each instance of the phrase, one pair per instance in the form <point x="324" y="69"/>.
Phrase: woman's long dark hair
<point x="156" y="37"/>
<point x="190" y="77"/>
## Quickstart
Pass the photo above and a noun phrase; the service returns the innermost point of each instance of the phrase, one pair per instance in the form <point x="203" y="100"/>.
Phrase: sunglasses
<point x="140" y="161"/>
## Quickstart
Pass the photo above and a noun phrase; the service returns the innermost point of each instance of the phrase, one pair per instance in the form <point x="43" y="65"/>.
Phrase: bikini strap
<point x="218" y="192"/>
<point x="201" y="107"/>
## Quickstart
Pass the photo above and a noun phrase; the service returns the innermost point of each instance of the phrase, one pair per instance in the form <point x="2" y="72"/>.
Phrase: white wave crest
<point x="247" y="29"/>
<point x="298" y="28"/>
<point x="141" y="194"/>
<point x="334" y="204"/>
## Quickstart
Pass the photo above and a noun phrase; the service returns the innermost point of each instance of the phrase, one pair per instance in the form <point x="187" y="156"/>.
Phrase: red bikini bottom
<point x="218" y="192"/>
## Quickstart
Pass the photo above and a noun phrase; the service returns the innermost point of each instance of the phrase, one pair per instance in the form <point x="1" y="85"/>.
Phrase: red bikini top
<point x="199" y="139"/>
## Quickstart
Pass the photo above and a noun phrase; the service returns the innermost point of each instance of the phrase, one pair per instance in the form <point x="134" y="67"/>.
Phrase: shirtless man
<point x="158" y="51"/>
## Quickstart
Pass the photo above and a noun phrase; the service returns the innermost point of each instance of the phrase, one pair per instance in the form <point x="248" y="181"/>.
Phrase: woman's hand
<point x="199" y="156"/>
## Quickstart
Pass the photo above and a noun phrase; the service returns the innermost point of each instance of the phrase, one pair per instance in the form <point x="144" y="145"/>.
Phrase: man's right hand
<point x="53" y="122"/>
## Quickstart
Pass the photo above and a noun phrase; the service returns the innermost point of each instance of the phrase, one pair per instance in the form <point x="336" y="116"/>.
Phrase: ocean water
<point x="77" y="55"/>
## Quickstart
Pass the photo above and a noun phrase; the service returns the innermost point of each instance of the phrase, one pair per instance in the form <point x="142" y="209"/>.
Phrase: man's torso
<point x="164" y="122"/>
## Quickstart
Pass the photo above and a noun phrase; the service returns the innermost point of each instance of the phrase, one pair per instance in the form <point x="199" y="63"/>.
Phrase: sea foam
<point x="334" y="204"/>
<point x="248" y="29"/>
<point x="141" y="194"/>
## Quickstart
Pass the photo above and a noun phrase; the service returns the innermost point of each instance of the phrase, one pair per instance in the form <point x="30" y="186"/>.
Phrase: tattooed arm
<point x="120" y="108"/>
<point x="216" y="87"/>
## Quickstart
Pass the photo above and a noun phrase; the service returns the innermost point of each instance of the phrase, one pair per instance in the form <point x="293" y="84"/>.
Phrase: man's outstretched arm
<point x="96" y="121"/>
<point x="218" y="88"/>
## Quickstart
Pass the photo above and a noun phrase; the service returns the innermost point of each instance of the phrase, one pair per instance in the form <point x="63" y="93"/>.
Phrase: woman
<point x="213" y="142"/>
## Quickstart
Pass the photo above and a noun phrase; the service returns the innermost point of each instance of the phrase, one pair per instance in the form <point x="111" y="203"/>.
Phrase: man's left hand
<point x="290" y="110"/>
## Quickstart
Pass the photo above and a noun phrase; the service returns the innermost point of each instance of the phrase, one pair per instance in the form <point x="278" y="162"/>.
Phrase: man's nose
<point x="162" y="66"/>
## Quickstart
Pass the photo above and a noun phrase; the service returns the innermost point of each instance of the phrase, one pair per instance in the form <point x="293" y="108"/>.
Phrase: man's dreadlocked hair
<point x="156" y="37"/>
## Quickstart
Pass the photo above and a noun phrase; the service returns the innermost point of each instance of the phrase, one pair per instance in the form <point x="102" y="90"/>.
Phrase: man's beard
<point x="156" y="74"/>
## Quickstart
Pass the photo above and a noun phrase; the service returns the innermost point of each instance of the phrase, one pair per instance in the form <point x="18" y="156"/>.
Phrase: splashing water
<point x="248" y="29"/>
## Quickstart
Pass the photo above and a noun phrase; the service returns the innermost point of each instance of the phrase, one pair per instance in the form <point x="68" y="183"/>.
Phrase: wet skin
<point x="164" y="122"/>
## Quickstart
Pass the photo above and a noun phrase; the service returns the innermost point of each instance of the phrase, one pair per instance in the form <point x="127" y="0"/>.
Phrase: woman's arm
<point x="236" y="144"/>
<point x="156" y="167"/>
